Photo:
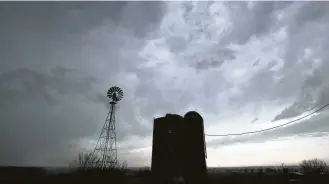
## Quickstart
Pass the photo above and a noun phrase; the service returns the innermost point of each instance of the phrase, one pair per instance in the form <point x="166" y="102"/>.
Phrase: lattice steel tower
<point x="105" y="151"/>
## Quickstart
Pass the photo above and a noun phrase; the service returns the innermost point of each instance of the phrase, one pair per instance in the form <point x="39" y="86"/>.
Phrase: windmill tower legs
<point x="105" y="152"/>
<point x="106" y="148"/>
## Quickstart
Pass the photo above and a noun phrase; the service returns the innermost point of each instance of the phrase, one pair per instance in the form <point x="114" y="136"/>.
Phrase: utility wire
<point x="271" y="128"/>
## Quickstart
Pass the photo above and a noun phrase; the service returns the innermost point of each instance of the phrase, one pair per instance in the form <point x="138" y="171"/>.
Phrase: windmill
<point x="106" y="147"/>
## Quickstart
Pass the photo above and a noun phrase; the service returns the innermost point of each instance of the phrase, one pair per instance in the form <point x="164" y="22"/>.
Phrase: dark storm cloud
<point x="254" y="120"/>
<point x="314" y="87"/>
<point x="248" y="21"/>
<point x="55" y="61"/>
<point x="31" y="28"/>
<point x="211" y="60"/>
<point x="194" y="40"/>
<point x="72" y="17"/>
<point x="304" y="90"/>
<point x="38" y="116"/>
<point x="308" y="33"/>
<point x="22" y="84"/>
<point x="142" y="21"/>
<point x="312" y="11"/>
<point x="314" y="94"/>
<point x="34" y="29"/>
<point x="291" y="84"/>
<point x="263" y="87"/>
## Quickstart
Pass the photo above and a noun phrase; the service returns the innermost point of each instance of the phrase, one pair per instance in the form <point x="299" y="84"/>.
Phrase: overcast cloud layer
<point x="243" y="66"/>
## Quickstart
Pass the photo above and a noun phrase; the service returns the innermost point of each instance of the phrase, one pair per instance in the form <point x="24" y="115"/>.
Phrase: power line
<point x="271" y="128"/>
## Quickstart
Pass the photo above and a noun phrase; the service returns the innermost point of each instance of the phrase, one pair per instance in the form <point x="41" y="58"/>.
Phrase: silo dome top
<point x="193" y="115"/>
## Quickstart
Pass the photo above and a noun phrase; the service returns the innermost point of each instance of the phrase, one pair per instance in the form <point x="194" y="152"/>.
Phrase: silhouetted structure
<point x="195" y="148"/>
<point x="106" y="147"/>
<point x="179" y="148"/>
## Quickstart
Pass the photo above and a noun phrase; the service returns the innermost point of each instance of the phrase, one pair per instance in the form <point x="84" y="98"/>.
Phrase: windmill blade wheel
<point x="115" y="93"/>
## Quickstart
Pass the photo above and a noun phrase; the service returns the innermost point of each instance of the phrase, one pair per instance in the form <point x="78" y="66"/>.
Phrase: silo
<point x="195" y="148"/>
<point x="168" y="147"/>
<point x="159" y="152"/>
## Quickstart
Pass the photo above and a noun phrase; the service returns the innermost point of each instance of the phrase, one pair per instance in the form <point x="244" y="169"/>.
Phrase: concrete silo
<point x="168" y="147"/>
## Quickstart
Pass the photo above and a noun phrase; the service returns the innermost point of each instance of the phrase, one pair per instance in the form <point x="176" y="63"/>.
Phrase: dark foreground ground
<point x="38" y="175"/>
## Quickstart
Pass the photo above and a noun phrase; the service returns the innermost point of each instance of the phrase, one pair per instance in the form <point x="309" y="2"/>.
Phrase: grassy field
<point x="39" y="175"/>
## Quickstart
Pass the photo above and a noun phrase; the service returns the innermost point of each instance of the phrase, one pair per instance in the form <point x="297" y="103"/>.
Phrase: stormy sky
<point x="243" y="66"/>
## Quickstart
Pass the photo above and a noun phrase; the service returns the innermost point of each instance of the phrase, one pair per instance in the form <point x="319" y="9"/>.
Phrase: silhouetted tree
<point x="84" y="159"/>
<point x="123" y="165"/>
<point x="313" y="166"/>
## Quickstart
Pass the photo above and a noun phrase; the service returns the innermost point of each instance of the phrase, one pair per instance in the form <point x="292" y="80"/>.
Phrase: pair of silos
<point x="179" y="148"/>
